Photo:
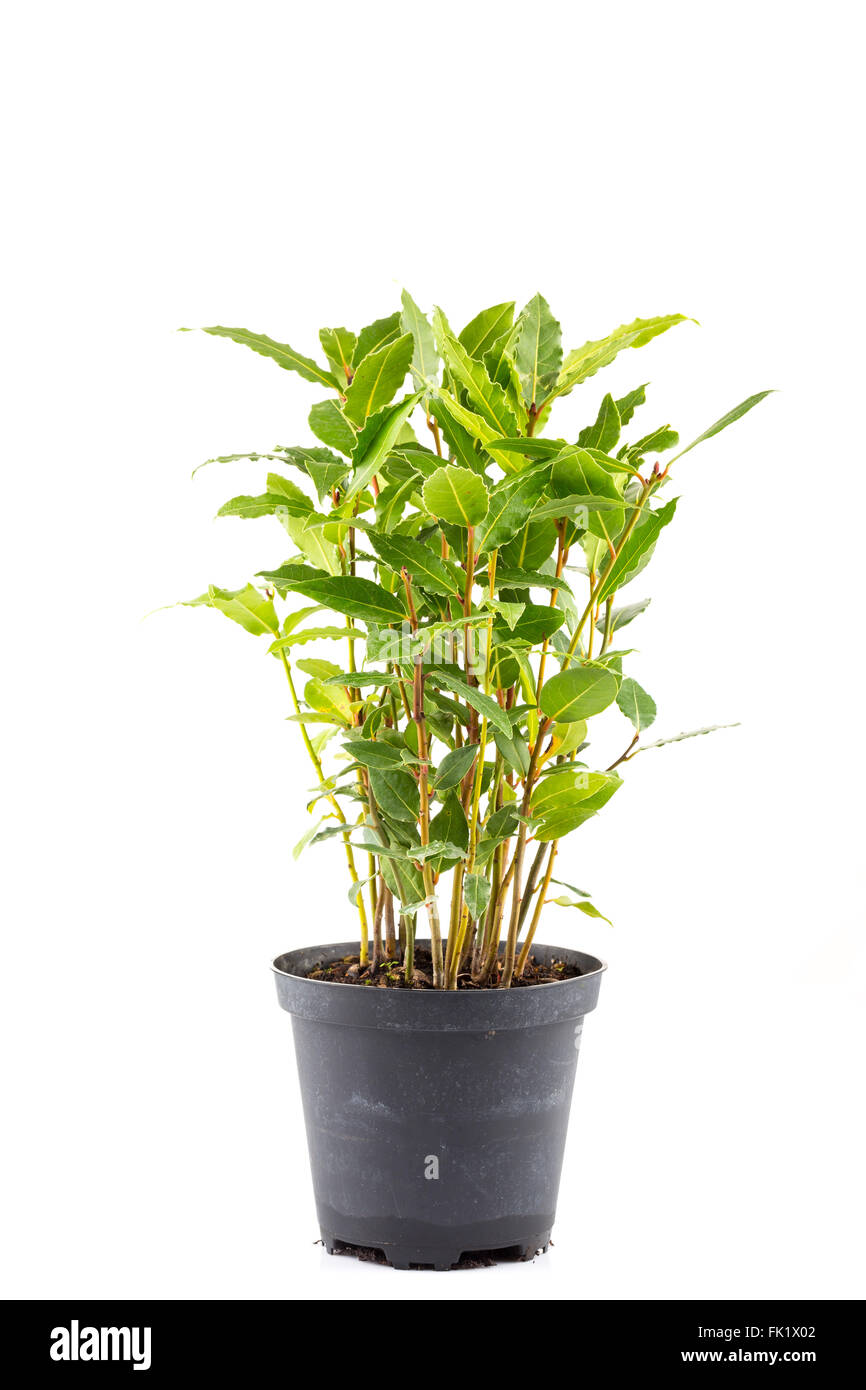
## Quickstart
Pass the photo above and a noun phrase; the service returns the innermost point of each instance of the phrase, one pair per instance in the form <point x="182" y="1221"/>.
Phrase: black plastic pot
<point x="436" y="1120"/>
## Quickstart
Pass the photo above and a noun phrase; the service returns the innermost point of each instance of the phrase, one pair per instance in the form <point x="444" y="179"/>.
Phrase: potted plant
<point x="460" y="567"/>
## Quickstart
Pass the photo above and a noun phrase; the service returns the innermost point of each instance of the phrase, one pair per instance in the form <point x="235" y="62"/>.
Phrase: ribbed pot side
<point x="436" y="1121"/>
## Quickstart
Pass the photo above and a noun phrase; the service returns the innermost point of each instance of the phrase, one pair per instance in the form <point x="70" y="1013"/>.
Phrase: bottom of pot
<point x="439" y="1257"/>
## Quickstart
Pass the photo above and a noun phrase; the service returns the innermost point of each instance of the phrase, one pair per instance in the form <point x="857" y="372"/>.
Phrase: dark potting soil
<point x="390" y="974"/>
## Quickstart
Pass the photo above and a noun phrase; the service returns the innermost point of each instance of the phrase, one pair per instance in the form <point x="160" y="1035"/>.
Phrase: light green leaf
<point x="628" y="562"/>
<point x="636" y="704"/>
<point x="248" y="607"/>
<point x="375" y="336"/>
<point x="584" y="907"/>
<point x="329" y="700"/>
<point x="305" y="839"/>
<point x="577" y="693"/>
<point x="486" y="396"/>
<point x="514" y="751"/>
<point x="604" y="434"/>
<point x="586" y="361"/>
<point x="564" y="801"/>
<point x="339" y="347"/>
<point x="313" y="634"/>
<point x="732" y="415"/>
<point x="509" y="612"/>
<point x="455" y="495"/>
<point x="280" y="353"/>
<point x="621" y="617"/>
<point x="487" y="329"/>
<point x="627" y="405"/>
<point x="678" y="738"/>
<point x="325" y="469"/>
<point x="329" y="424"/>
<point x="425" y="358"/>
<point x="308" y="535"/>
<point x="376" y="440"/>
<point x="537" y="349"/>
<point x="476" y="891"/>
<point x="392" y="502"/>
<point x="507" y="578"/>
<point x="266" y="504"/>
<point x="379" y="376"/>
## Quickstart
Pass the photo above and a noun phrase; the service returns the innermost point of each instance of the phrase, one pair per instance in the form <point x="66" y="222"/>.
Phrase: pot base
<point x="439" y="1257"/>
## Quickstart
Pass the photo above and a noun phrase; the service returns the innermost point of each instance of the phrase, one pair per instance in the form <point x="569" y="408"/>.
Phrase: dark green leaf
<point x="454" y="766"/>
<point x="395" y="792"/>
<point x="356" y="597"/>
<point x="476" y="891"/>
<point x="425" y="567"/>
<point x="376" y="440"/>
<point x="483" y="704"/>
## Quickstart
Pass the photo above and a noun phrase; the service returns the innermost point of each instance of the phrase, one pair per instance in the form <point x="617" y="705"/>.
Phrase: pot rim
<point x="600" y="968"/>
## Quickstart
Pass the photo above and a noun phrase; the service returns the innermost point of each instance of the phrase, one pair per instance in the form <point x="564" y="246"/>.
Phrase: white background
<point x="283" y="167"/>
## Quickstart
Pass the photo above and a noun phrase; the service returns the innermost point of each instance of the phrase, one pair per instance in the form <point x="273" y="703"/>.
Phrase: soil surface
<point x="391" y="975"/>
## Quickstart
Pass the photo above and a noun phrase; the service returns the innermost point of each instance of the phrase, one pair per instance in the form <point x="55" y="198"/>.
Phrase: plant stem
<point x="338" y="810"/>
<point x="536" y="916"/>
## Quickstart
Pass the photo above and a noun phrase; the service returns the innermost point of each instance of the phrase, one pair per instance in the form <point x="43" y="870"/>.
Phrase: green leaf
<point x="374" y="754"/>
<point x="536" y="622"/>
<point x="486" y="396"/>
<point x="454" y="766"/>
<point x="312" y="634"/>
<point x="266" y="504"/>
<point x="654" y="443"/>
<point x="280" y="353"/>
<point x="315" y="666"/>
<point x="532" y="448"/>
<point x="509" y="612"/>
<point x="732" y="415"/>
<point x="392" y="502"/>
<point x="379" y="376"/>
<point x="577" y="693"/>
<point x="621" y="617"/>
<point x="248" y="607"/>
<point x="678" y="738"/>
<point x="425" y="358"/>
<point x="586" y="361"/>
<point x="396" y="793"/>
<point x="487" y="329"/>
<point x="604" y="434"/>
<point x="563" y="801"/>
<point x="329" y="424"/>
<point x="510" y="503"/>
<point x="538" y="349"/>
<point x="425" y="567"/>
<point x="308" y="534"/>
<point x="476" y="891"/>
<point x="376" y="440"/>
<point x="507" y="578"/>
<point x="354" y="596"/>
<point x="449" y="825"/>
<point x="636" y="704"/>
<point x="325" y="469"/>
<point x="587" y="908"/>
<point x="503" y="823"/>
<point x="628" y="562"/>
<point x="305" y="839"/>
<point x="627" y="405"/>
<point x="329" y="700"/>
<point x="514" y="751"/>
<point x="466" y="425"/>
<point x="483" y="704"/>
<point x="575" y="471"/>
<point x="375" y="336"/>
<point x="339" y="347"/>
<point x="455" y="495"/>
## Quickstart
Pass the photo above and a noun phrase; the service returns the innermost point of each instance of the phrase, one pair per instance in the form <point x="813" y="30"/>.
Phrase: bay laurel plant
<point x="462" y="567"/>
